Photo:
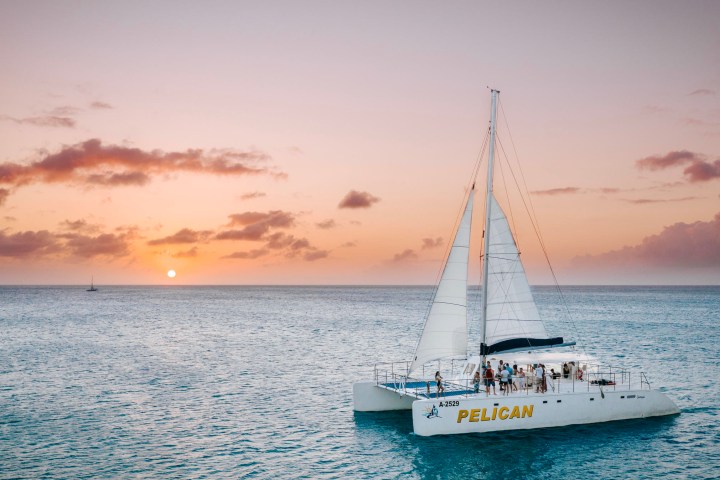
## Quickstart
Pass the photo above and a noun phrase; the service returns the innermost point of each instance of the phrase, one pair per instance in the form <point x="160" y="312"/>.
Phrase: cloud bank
<point x="694" y="245"/>
<point x="697" y="170"/>
<point x="93" y="163"/>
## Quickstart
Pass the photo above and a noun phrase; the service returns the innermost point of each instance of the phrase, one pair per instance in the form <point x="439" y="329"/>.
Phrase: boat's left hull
<point x="518" y="412"/>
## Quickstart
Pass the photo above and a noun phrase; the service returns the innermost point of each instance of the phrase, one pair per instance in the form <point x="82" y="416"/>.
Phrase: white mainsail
<point x="445" y="331"/>
<point x="511" y="309"/>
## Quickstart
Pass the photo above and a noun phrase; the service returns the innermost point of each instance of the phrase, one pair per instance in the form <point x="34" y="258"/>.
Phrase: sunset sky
<point x="318" y="142"/>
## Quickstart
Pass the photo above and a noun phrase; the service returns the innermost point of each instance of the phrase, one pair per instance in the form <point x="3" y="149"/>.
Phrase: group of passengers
<point x="512" y="378"/>
<point x="505" y="375"/>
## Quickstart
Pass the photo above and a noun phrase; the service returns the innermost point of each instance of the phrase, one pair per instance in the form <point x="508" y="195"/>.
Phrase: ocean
<point x="256" y="382"/>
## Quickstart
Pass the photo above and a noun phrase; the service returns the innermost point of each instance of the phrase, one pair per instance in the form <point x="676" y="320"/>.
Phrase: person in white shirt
<point x="539" y="373"/>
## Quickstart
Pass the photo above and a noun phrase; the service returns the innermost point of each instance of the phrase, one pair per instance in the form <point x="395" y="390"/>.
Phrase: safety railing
<point x="395" y="376"/>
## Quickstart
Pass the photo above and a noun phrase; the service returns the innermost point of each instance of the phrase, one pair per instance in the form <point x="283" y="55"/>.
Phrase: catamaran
<point x="581" y="391"/>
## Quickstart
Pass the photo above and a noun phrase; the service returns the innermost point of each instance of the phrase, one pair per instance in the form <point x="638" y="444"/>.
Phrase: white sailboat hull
<point x="369" y="397"/>
<point x="497" y="413"/>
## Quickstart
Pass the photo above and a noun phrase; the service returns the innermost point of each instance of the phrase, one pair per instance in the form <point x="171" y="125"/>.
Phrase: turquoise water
<point x="231" y="382"/>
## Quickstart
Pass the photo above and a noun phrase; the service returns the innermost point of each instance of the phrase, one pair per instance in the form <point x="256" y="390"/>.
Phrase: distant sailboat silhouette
<point x="92" y="286"/>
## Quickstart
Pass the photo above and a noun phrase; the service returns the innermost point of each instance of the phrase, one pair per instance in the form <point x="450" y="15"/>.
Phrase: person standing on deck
<point x="440" y="387"/>
<point x="476" y="381"/>
<point x="539" y="375"/>
<point x="504" y="379"/>
<point x="521" y="378"/>
<point x="489" y="380"/>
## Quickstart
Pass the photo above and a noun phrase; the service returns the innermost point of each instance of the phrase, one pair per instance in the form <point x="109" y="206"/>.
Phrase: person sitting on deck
<point x="580" y="373"/>
<point x="489" y="380"/>
<point x="438" y="381"/>
<point x="566" y="370"/>
<point x="553" y="374"/>
<point x="476" y="381"/>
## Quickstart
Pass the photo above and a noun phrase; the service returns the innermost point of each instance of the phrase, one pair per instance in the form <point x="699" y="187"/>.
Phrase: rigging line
<point x="517" y="159"/>
<point x="516" y="238"/>
<point x="534" y="223"/>
<point x="448" y="248"/>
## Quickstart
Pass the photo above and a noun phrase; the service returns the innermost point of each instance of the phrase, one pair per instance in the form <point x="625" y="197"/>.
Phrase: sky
<point x="319" y="142"/>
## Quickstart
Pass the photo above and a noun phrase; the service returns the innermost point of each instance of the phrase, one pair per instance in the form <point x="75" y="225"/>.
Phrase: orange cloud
<point x="106" y="244"/>
<point x="187" y="253"/>
<point x="327" y="224"/>
<point x="251" y="195"/>
<point x="408" y="254"/>
<point x="4" y="193"/>
<point x="355" y="199"/>
<point x="185" y="235"/>
<point x="256" y="224"/>
<point x="248" y="255"/>
<point x="93" y="163"/>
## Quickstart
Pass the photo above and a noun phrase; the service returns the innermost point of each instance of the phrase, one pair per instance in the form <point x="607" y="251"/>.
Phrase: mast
<point x="488" y="203"/>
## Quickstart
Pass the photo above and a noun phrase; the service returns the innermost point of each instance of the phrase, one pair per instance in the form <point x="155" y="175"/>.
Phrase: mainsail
<point x="445" y="331"/>
<point x="512" y="318"/>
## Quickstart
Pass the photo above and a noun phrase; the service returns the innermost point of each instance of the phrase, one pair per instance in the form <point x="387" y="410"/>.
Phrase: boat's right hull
<point x="518" y="412"/>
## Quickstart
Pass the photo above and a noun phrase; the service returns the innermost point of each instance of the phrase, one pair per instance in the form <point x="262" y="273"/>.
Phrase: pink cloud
<point x="67" y="244"/>
<point x="79" y="226"/>
<point x="698" y="170"/>
<point x="279" y="240"/>
<point x="24" y="244"/>
<point x="702" y="91"/>
<point x="428" y="243"/>
<point x="93" y="163"/>
<point x="100" y="105"/>
<point x="642" y="201"/>
<point x="46" y="121"/>
<point x="557" y="191"/>
<point x="658" y="162"/>
<point x="679" y="245"/>
<point x="355" y="199"/>
<point x="313" y="255"/>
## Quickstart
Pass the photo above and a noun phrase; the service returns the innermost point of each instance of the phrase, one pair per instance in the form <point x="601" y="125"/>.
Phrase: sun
<point x="171" y="273"/>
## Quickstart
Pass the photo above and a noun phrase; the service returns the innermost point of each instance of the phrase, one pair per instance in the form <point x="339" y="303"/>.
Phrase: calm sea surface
<point x="233" y="382"/>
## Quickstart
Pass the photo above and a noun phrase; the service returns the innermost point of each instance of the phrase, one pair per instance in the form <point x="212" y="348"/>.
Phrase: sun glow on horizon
<point x="171" y="273"/>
